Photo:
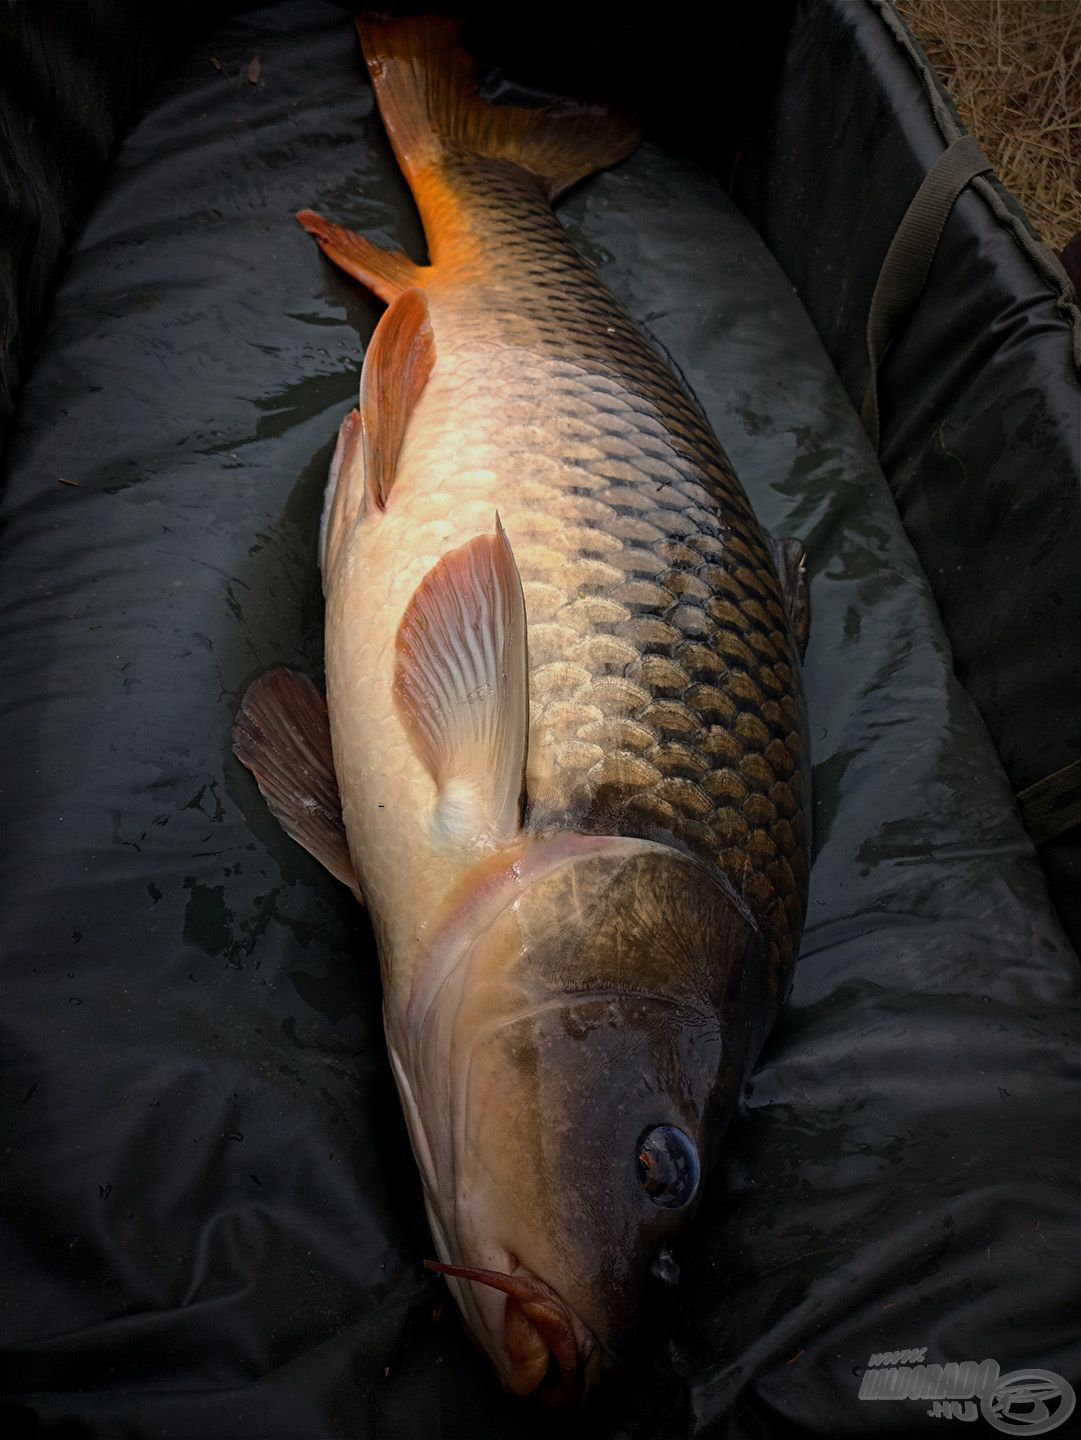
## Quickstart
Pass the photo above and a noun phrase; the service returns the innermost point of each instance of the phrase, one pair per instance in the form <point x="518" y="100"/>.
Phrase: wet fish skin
<point x="664" y="677"/>
<point x="537" y="500"/>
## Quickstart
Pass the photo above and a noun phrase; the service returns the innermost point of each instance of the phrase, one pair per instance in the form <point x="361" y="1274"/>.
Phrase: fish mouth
<point x="550" y="1354"/>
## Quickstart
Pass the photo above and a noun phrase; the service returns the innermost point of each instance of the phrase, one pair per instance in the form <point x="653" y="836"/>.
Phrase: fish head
<point x="597" y="1030"/>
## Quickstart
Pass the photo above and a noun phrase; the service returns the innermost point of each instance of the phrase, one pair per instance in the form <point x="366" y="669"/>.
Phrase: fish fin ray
<point x="426" y="86"/>
<point x="461" y="686"/>
<point x="344" y="498"/>
<point x="282" y="735"/>
<point x="790" y="562"/>
<point x="386" y="273"/>
<point x="396" y="369"/>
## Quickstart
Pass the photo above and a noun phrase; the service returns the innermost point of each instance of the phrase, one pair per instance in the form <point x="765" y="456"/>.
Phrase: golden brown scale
<point x="663" y="673"/>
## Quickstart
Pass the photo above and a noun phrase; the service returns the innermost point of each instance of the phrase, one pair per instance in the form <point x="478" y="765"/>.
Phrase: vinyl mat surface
<point x="213" y="1221"/>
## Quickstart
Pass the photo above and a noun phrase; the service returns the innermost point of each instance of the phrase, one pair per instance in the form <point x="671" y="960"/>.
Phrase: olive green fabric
<point x="909" y="258"/>
<point x="979" y="395"/>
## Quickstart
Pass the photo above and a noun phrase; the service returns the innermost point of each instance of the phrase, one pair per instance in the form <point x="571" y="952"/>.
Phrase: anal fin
<point x="461" y="687"/>
<point x="790" y="562"/>
<point x="282" y="735"/>
<point x="385" y="272"/>
<point x="396" y="369"/>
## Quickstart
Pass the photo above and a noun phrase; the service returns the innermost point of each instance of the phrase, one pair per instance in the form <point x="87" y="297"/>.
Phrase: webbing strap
<point x="908" y="260"/>
<point x="1053" y="805"/>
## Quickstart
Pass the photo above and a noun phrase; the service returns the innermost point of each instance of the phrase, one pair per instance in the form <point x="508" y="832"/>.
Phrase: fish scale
<point x="663" y="691"/>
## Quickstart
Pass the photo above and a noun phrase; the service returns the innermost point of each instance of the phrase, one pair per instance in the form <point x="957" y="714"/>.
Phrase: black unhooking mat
<point x="213" y="1221"/>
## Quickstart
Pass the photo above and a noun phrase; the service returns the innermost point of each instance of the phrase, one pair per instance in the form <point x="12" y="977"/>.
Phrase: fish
<point x="562" y="752"/>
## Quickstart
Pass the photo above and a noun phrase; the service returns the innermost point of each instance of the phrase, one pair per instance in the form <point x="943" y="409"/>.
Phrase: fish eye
<point x="668" y="1166"/>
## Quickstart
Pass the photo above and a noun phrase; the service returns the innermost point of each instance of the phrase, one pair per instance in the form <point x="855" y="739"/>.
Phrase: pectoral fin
<point x="461" y="687"/>
<point x="396" y="369"/>
<point x="790" y="562"/>
<point x="282" y="735"/>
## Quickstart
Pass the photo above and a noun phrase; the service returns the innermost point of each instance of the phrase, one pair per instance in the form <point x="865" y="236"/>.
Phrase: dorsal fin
<point x="396" y="369"/>
<point x="790" y="562"/>
<point x="282" y="734"/>
<point x="462" y="690"/>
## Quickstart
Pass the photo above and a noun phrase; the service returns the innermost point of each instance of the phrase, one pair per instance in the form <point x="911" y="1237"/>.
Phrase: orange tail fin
<point x="427" y="91"/>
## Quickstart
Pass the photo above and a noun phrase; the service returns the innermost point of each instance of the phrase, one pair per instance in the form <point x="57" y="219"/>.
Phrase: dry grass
<point x="1013" y="69"/>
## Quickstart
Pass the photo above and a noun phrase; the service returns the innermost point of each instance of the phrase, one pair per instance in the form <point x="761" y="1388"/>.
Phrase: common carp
<point x="562" y="752"/>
